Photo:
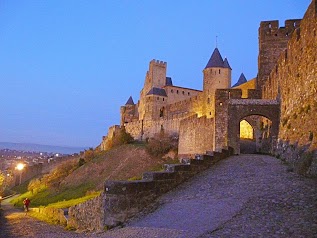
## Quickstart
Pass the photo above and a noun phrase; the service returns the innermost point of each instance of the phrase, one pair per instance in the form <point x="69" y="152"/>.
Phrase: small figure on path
<point x="26" y="204"/>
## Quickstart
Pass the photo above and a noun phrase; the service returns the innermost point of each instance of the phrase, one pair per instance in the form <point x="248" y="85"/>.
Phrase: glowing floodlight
<point x="20" y="166"/>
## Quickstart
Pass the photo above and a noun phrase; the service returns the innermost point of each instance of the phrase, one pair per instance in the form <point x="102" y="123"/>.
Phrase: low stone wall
<point x="124" y="199"/>
<point x="88" y="216"/>
<point x="300" y="158"/>
<point x="54" y="214"/>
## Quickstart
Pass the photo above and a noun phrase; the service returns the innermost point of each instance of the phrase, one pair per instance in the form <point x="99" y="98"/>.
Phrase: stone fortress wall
<point x="286" y="75"/>
<point x="294" y="81"/>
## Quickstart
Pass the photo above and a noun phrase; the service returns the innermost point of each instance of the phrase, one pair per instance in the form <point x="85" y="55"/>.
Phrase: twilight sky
<point x="66" y="67"/>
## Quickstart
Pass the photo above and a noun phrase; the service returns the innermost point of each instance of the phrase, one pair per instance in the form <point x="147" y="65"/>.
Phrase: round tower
<point x="217" y="74"/>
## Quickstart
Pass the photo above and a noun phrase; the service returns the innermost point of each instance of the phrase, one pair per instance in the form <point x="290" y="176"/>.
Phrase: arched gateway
<point x="231" y="109"/>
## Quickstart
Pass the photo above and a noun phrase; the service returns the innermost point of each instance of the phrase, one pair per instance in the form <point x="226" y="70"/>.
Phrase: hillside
<point x="73" y="180"/>
<point x="120" y="163"/>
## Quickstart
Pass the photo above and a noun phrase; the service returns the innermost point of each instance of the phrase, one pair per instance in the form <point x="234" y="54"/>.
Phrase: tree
<point x="122" y="137"/>
<point x="34" y="186"/>
<point x="2" y="182"/>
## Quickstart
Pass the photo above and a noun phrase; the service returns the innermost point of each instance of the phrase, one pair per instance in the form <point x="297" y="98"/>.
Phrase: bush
<point x="89" y="155"/>
<point x="55" y="177"/>
<point x="81" y="162"/>
<point x="35" y="186"/>
<point x="122" y="137"/>
<point x="160" y="144"/>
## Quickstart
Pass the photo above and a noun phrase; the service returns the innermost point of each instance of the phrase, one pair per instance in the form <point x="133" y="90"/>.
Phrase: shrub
<point x="55" y="177"/>
<point x="35" y="186"/>
<point x="81" y="162"/>
<point x="160" y="144"/>
<point x="122" y="137"/>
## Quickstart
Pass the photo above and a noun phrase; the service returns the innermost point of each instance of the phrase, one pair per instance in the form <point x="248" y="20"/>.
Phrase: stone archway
<point x="230" y="111"/>
<point x="248" y="130"/>
<point x="260" y="141"/>
<point x="241" y="108"/>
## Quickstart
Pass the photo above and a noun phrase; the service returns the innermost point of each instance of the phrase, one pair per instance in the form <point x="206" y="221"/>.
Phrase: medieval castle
<point x="278" y="106"/>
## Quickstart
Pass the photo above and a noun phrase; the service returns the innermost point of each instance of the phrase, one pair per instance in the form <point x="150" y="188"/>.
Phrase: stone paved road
<point x="242" y="196"/>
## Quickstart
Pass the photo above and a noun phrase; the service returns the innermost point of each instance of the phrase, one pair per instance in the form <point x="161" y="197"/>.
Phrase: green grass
<point x="42" y="217"/>
<point x="46" y="196"/>
<point x="73" y="202"/>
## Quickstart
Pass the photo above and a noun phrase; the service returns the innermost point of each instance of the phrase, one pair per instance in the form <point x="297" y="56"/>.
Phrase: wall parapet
<point x="124" y="199"/>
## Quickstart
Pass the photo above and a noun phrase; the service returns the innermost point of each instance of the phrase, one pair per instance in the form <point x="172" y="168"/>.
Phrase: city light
<point x="20" y="166"/>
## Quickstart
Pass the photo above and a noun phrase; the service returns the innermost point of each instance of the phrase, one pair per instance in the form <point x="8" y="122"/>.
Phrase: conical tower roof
<point x="241" y="80"/>
<point x="215" y="60"/>
<point x="130" y="101"/>
<point x="226" y="64"/>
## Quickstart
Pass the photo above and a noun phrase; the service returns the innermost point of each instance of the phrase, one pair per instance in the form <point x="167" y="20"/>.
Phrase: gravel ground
<point x="242" y="196"/>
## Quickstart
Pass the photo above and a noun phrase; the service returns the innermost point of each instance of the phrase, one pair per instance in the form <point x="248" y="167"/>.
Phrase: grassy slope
<point x="120" y="163"/>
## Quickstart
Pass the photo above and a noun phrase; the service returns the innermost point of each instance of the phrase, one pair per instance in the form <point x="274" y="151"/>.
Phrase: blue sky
<point x="66" y="66"/>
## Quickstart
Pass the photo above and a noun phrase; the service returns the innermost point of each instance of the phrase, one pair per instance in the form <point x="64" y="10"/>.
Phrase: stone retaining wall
<point x="88" y="215"/>
<point x="54" y="214"/>
<point x="124" y="199"/>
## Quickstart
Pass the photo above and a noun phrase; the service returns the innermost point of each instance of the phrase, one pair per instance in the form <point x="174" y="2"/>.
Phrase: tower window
<point x="172" y="90"/>
<point x="188" y="93"/>
<point x="208" y="101"/>
<point x="219" y="71"/>
<point x="158" y="98"/>
<point x="177" y="91"/>
<point x="183" y="93"/>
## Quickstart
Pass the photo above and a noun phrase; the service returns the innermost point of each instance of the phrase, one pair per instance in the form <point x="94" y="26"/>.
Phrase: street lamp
<point x="20" y="167"/>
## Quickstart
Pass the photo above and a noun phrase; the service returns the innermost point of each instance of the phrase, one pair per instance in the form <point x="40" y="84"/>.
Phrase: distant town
<point x="19" y="166"/>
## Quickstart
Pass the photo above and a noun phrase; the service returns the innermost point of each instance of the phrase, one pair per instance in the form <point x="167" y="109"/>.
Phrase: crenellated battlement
<point x="272" y="28"/>
<point x="158" y="63"/>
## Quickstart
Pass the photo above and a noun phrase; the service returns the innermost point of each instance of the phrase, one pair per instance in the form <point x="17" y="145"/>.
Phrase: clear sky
<point x="66" y="66"/>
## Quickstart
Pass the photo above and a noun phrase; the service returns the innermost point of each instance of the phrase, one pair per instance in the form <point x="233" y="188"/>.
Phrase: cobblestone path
<point x="242" y="196"/>
<point x="15" y="224"/>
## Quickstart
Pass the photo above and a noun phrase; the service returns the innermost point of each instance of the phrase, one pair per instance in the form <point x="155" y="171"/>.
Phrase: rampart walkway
<point x="242" y="196"/>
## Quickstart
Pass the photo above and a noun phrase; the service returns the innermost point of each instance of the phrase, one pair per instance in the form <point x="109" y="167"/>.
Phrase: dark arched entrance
<point x="237" y="110"/>
<point x="255" y="135"/>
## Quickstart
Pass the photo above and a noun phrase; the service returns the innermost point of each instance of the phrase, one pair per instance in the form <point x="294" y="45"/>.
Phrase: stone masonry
<point x="205" y="121"/>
